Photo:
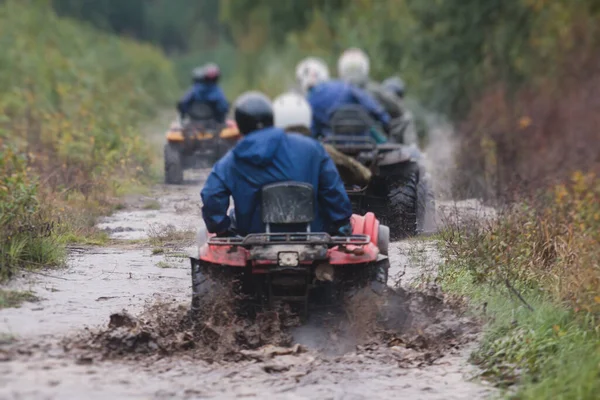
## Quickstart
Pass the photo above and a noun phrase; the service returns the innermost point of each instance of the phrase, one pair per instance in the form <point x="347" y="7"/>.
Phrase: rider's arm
<point x="370" y="104"/>
<point x="332" y="194"/>
<point x="215" y="202"/>
<point x="184" y="103"/>
<point x="389" y="102"/>
<point x="317" y="125"/>
<point x="222" y="105"/>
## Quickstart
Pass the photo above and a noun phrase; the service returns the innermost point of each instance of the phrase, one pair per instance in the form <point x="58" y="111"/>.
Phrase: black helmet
<point x="253" y="110"/>
<point x="207" y="73"/>
<point x="394" y="85"/>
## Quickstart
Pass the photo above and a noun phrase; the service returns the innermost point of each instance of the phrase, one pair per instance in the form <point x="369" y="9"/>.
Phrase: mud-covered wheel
<point x="173" y="166"/>
<point x="202" y="284"/>
<point x="403" y="199"/>
<point x="373" y="275"/>
<point x="383" y="239"/>
<point x="379" y="273"/>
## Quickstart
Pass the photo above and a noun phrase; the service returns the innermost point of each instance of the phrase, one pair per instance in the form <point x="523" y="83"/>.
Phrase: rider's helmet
<point x="394" y="85"/>
<point x="291" y="110"/>
<point x="253" y="111"/>
<point x="310" y="72"/>
<point x="353" y="66"/>
<point x="207" y="73"/>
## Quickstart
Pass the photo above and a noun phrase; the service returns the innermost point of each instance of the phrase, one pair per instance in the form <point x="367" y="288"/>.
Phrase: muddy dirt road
<point x="42" y="355"/>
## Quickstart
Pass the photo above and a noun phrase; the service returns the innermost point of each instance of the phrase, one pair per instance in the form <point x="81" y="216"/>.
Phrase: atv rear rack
<point x="254" y="239"/>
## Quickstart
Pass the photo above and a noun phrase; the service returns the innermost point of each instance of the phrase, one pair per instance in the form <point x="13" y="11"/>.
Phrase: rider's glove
<point x="344" y="229"/>
<point x="228" y="233"/>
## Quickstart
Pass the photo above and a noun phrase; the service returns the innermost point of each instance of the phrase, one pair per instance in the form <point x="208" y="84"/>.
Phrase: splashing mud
<point x="408" y="328"/>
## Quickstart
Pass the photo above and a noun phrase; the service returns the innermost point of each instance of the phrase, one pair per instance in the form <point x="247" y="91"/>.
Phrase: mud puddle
<point x="66" y="347"/>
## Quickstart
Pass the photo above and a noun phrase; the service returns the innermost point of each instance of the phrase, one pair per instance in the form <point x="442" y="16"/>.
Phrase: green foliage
<point x="26" y="234"/>
<point x="72" y="100"/>
<point x="546" y="248"/>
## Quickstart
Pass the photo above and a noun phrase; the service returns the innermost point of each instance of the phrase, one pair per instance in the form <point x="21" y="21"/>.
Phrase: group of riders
<point x="278" y="139"/>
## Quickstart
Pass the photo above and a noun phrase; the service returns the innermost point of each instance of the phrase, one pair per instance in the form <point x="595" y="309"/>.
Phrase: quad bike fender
<point x="401" y="155"/>
<point x="366" y="224"/>
<point x="234" y="256"/>
<point x="175" y="136"/>
<point x="230" y="131"/>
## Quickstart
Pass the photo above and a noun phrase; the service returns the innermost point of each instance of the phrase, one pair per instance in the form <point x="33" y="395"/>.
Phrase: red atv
<point x="289" y="263"/>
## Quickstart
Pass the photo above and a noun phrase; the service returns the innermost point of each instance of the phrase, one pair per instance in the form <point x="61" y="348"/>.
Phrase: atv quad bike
<point x="394" y="184"/>
<point x="196" y="143"/>
<point x="289" y="263"/>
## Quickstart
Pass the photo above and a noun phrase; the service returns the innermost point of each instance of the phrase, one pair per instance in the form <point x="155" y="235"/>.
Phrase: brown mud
<point x="115" y="324"/>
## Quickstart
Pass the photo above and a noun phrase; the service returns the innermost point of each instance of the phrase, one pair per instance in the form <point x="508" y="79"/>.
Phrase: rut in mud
<point x="115" y="324"/>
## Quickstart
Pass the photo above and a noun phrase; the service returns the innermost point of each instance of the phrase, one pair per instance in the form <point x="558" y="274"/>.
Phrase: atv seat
<point x="351" y="120"/>
<point x="288" y="205"/>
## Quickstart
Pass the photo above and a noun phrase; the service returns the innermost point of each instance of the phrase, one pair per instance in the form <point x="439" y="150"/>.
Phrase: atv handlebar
<point x="258" y="239"/>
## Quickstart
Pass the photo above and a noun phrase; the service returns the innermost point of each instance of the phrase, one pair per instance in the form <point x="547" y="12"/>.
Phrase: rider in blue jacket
<point x="326" y="97"/>
<point x="268" y="155"/>
<point x="205" y="89"/>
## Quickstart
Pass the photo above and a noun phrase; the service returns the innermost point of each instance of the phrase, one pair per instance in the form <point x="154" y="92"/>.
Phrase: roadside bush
<point x="547" y="251"/>
<point x="549" y="243"/>
<point x="26" y="234"/>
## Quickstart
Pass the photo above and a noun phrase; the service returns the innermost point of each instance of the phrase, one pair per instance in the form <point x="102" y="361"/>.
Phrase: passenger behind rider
<point x="354" y="67"/>
<point x="326" y="96"/>
<point x="266" y="155"/>
<point x="205" y="89"/>
<point x="395" y="86"/>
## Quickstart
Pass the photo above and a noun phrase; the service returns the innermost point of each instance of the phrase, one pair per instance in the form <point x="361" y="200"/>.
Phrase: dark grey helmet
<point x="253" y="111"/>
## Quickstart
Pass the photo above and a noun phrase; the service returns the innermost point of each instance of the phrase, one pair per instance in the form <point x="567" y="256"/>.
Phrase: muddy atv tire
<point x="173" y="165"/>
<point x="403" y="199"/>
<point x="374" y="275"/>
<point x="383" y="239"/>
<point x="220" y="286"/>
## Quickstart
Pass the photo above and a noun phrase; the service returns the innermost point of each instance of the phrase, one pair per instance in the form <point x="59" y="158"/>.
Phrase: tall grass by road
<point x="546" y="250"/>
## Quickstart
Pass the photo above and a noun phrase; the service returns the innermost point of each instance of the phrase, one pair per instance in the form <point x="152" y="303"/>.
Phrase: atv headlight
<point x="288" y="259"/>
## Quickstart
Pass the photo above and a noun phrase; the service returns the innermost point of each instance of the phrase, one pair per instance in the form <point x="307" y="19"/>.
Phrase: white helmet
<point x="292" y="110"/>
<point x="353" y="66"/>
<point x="310" y="72"/>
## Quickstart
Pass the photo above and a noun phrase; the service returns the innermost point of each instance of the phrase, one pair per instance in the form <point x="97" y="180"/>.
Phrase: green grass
<point x="31" y="253"/>
<point x="14" y="298"/>
<point x="94" y="238"/>
<point x="552" y="352"/>
<point x="164" y="264"/>
<point x="151" y="205"/>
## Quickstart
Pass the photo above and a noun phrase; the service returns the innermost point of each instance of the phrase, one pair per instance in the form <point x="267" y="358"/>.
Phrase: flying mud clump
<point x="166" y="329"/>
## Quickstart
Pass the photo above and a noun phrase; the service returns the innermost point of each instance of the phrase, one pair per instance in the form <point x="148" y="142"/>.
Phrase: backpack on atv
<point x="197" y="142"/>
<point x="399" y="190"/>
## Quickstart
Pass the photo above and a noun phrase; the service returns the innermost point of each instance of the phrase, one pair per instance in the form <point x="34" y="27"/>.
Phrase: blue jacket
<point x="267" y="156"/>
<point x="328" y="96"/>
<point x="205" y="93"/>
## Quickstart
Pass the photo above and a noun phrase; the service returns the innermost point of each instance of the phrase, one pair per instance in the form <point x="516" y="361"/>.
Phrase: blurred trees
<point x="490" y="64"/>
<point x="446" y="50"/>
